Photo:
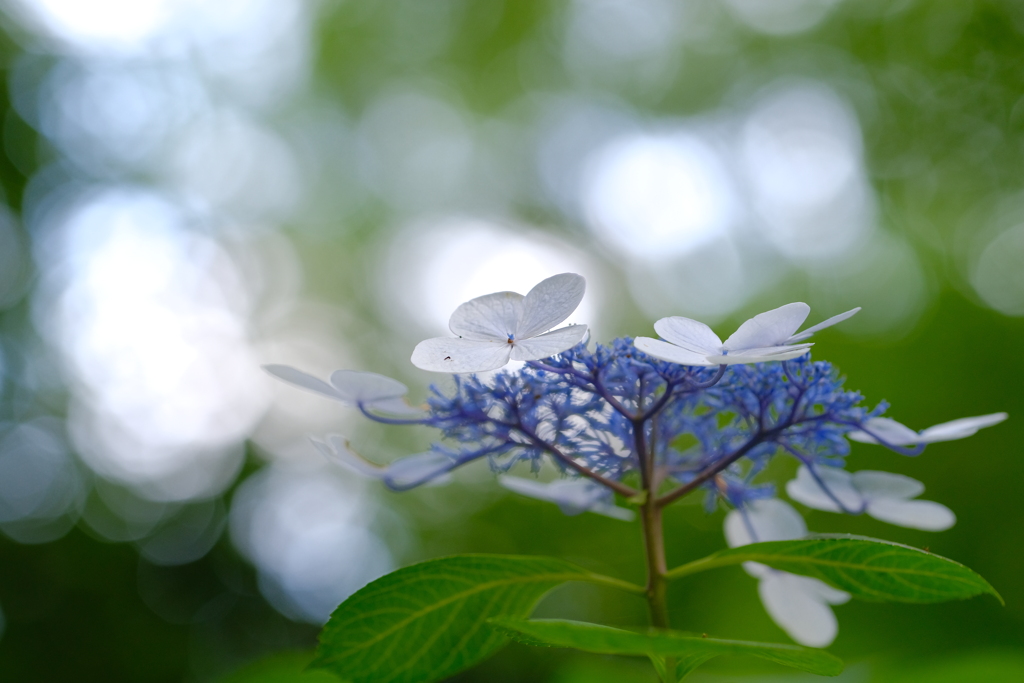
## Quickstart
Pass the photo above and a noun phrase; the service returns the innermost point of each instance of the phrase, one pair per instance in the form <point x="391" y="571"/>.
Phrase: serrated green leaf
<point x="864" y="567"/>
<point x="688" y="651"/>
<point x="428" y="621"/>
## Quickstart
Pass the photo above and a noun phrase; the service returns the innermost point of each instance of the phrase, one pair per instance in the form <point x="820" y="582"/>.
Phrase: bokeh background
<point x="191" y="189"/>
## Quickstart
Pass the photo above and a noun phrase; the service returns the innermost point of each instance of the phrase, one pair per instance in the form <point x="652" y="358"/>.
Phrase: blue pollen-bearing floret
<point x="620" y="417"/>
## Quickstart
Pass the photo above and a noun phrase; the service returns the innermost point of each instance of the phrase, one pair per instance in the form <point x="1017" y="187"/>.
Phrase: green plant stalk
<point x="654" y="543"/>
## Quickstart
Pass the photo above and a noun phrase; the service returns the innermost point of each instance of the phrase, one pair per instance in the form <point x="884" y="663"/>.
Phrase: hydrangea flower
<point x="650" y="422"/>
<point x="890" y="432"/>
<point x="496" y="328"/>
<point x="882" y="495"/>
<point x="769" y="336"/>
<point x="800" y="605"/>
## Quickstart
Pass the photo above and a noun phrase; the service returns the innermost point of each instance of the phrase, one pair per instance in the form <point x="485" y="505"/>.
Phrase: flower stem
<point x="654" y="545"/>
<point x="654" y="541"/>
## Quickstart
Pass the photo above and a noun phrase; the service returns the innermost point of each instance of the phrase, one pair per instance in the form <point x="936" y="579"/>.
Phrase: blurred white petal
<point x="805" y="489"/>
<point x="886" y="429"/>
<point x="398" y="407"/>
<point x="896" y="434"/>
<point x="959" y="429"/>
<point x="769" y="520"/>
<point x="914" y="514"/>
<point x="366" y="387"/>
<point x="883" y="495"/>
<point x="800" y="606"/>
<point x="873" y="484"/>
<point x="337" y="450"/>
<point x="573" y="496"/>
<point x="303" y="380"/>
<point x="415" y="469"/>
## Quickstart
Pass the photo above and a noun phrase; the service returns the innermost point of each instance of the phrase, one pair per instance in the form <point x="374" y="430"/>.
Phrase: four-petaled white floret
<point x="496" y="328"/>
<point x="769" y="336"/>
<point x="885" y="496"/>
<point x="800" y="605"/>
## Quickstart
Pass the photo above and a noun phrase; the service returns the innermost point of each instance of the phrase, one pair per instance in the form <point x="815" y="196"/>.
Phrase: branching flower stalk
<point x="651" y="421"/>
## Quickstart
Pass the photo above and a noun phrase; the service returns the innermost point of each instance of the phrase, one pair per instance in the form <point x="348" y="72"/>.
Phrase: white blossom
<point x="800" y="605"/>
<point x="573" y="496"/>
<point x="496" y="328"/>
<point x="768" y="336"/>
<point x="401" y="473"/>
<point x="883" y="429"/>
<point x="882" y="495"/>
<point x="351" y="387"/>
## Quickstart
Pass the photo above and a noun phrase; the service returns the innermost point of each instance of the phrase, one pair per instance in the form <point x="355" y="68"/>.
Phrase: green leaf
<point x="688" y="651"/>
<point x="864" y="567"/>
<point x="428" y="621"/>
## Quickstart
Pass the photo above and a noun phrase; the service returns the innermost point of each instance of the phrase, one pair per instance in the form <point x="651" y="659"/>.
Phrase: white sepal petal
<point x="549" y="303"/>
<point x="413" y="470"/>
<point x="806" y="489"/>
<point x="491" y="317"/>
<point x="771" y="328"/>
<point x="800" y="336"/>
<point x="874" y="485"/>
<point x="338" y="451"/>
<point x="398" y="407"/>
<point x="366" y="387"/>
<point x="447" y="354"/>
<point x="549" y="344"/>
<point x="800" y="606"/>
<point x="304" y="380"/>
<point x="689" y="334"/>
<point x="674" y="354"/>
<point x="573" y="496"/>
<point x="888" y="430"/>
<point x="962" y="428"/>
<point x="766" y="520"/>
<point x="765" y="355"/>
<point x="914" y="514"/>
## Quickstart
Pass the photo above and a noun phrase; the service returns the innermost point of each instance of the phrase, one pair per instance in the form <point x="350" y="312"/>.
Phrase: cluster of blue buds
<point x="651" y="420"/>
